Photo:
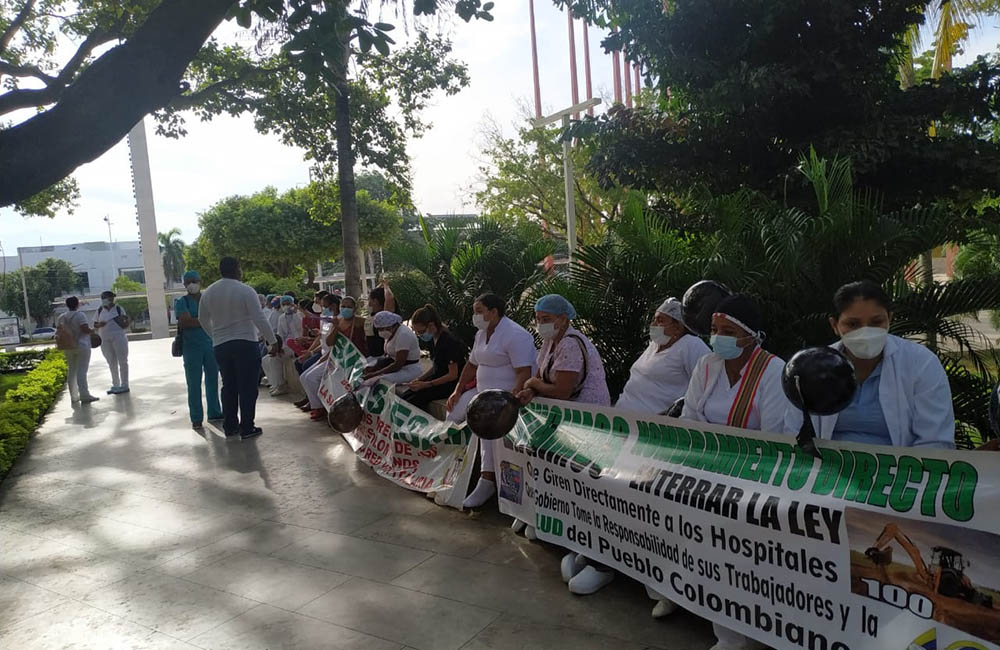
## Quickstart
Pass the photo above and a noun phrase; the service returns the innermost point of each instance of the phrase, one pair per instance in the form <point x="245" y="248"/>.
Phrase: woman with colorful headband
<point x="739" y="385"/>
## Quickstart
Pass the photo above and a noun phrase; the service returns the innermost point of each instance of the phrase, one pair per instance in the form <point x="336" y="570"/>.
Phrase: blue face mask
<point x="426" y="337"/>
<point x="327" y="311"/>
<point x="726" y="346"/>
<point x="346" y="312"/>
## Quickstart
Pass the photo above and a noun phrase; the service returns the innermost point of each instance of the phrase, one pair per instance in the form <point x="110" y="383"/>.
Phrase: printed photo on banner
<point x="936" y="571"/>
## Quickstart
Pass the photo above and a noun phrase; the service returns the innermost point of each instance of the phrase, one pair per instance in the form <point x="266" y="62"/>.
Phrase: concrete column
<point x="142" y="184"/>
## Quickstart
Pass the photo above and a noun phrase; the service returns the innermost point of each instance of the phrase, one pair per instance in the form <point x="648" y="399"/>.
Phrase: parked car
<point x="43" y="334"/>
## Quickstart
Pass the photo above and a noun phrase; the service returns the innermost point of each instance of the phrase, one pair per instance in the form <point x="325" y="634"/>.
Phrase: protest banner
<point x="747" y="530"/>
<point x="399" y="441"/>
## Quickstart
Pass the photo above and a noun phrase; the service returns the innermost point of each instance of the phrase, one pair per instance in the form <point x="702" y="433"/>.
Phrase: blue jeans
<point x="239" y="365"/>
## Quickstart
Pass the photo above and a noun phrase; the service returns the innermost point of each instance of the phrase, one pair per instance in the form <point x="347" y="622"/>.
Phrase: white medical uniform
<point x="914" y="394"/>
<point x="313" y="376"/>
<point x="509" y="347"/>
<point x="114" y="344"/>
<point x="403" y="339"/>
<point x="289" y="326"/>
<point x="660" y="378"/>
<point x="710" y="399"/>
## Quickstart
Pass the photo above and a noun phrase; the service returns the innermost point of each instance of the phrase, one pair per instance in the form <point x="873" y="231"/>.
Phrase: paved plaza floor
<point x="121" y="527"/>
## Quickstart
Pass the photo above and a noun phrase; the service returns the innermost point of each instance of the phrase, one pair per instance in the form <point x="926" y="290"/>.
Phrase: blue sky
<point x="227" y="156"/>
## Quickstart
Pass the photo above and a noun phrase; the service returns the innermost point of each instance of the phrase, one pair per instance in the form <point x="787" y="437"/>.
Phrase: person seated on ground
<point x="502" y="358"/>
<point x="448" y="356"/>
<point x="660" y="376"/>
<point x="345" y="323"/>
<point x="401" y="361"/>
<point x="738" y="384"/>
<point x="289" y="328"/>
<point x="380" y="299"/>
<point x="903" y="397"/>
<point x="569" y="368"/>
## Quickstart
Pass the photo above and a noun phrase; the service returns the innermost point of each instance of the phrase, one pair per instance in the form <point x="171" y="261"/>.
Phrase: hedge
<point x="23" y="408"/>
<point x="21" y="360"/>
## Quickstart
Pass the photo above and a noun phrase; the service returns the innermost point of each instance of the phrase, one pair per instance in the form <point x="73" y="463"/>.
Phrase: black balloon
<point x="346" y="414"/>
<point x="699" y="303"/>
<point x="492" y="413"/>
<point x="819" y="380"/>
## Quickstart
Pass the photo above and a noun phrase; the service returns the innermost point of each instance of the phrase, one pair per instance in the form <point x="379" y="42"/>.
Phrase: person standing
<point x="111" y="322"/>
<point x="230" y="313"/>
<point x="73" y="338"/>
<point x="198" y="354"/>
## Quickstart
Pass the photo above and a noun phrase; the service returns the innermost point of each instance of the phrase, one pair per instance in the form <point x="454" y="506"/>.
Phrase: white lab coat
<point x="289" y="326"/>
<point x="767" y="413"/>
<point x="915" y="397"/>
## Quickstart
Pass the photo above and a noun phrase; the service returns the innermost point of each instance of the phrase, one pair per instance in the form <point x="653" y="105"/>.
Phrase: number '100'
<point x="898" y="597"/>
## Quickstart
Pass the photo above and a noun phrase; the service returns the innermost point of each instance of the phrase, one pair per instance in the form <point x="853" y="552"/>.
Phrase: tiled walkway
<point x="123" y="528"/>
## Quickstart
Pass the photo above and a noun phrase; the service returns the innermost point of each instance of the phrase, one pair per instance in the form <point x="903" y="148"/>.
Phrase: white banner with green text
<point x="399" y="441"/>
<point x="866" y="548"/>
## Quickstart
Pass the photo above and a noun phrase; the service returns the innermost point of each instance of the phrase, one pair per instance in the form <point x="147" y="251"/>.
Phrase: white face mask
<point x="289" y="309"/>
<point x="386" y="334"/>
<point x="194" y="287"/>
<point x="106" y="302"/>
<point x="480" y="321"/>
<point x="866" y="342"/>
<point x="317" y="309"/>
<point x="546" y="330"/>
<point x="658" y="335"/>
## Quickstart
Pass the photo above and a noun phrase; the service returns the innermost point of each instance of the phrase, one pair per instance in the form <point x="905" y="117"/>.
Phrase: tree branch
<point x="18" y="22"/>
<point x="184" y="102"/>
<point x="34" y="97"/>
<point x="26" y="71"/>
<point x="107" y="99"/>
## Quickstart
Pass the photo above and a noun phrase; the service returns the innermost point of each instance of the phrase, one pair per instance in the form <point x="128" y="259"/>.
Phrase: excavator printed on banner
<point x="945" y="575"/>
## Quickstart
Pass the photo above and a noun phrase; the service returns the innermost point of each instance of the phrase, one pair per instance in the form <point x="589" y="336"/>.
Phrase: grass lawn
<point x="9" y="381"/>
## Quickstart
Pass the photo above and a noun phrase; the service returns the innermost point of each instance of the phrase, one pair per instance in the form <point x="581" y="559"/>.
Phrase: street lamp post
<point x="564" y="116"/>
<point x="24" y="288"/>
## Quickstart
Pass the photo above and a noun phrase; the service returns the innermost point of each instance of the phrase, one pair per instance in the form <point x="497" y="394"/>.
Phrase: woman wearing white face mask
<point x="661" y="375"/>
<point x="903" y="397"/>
<point x="502" y="358"/>
<point x="289" y="328"/>
<point x="569" y="368"/>
<point x="111" y="322"/>
<point x="738" y="384"/>
<point x="401" y="363"/>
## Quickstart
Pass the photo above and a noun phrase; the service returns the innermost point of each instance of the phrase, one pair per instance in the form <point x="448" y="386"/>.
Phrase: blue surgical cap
<point x="555" y="304"/>
<point x="287" y="300"/>
<point x="270" y="297"/>
<point x="191" y="275"/>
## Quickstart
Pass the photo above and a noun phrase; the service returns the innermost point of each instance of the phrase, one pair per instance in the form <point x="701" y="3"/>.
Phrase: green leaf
<point x="299" y="15"/>
<point x="384" y="27"/>
<point x="382" y="46"/>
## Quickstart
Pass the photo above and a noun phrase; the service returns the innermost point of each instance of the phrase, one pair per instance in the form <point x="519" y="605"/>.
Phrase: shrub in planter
<point x="25" y="405"/>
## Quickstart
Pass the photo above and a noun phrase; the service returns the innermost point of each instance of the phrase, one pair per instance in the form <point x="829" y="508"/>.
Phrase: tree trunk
<point x="105" y="102"/>
<point x="345" y="178"/>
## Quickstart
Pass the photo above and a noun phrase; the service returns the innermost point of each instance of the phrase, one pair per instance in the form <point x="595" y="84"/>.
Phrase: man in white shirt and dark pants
<point x="230" y="313"/>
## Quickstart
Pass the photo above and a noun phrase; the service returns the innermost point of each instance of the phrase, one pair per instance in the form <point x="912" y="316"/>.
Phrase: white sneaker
<point x="485" y="489"/>
<point x="529" y="532"/>
<point x="279" y="390"/>
<point x="590" y="580"/>
<point x="664" y="608"/>
<point x="572" y="564"/>
<point x="517" y="526"/>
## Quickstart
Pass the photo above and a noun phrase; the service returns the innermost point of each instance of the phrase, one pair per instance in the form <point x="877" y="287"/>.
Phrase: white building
<point x="97" y="263"/>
